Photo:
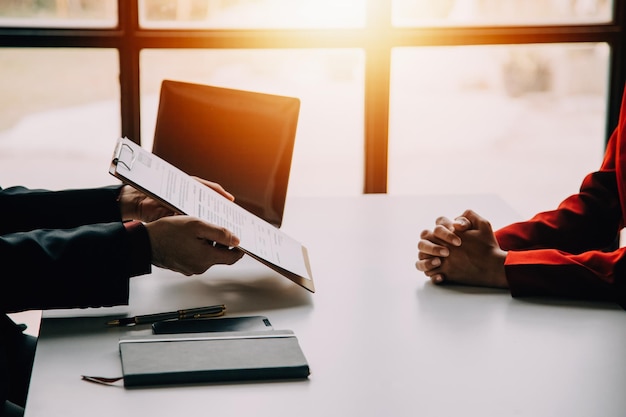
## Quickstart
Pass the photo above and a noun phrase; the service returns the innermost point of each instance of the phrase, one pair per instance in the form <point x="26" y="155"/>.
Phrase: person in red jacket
<point x="568" y="252"/>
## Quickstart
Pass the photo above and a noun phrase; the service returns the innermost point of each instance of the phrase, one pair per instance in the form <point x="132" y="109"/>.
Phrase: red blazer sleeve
<point x="563" y="252"/>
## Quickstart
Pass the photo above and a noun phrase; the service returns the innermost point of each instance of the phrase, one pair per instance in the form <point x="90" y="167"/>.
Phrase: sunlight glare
<point x="329" y="13"/>
<point x="303" y="14"/>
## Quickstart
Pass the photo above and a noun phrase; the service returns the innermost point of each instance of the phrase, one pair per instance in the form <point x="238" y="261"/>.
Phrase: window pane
<point x="59" y="13"/>
<point x="247" y="14"/>
<point x="525" y="122"/>
<point x="328" y="153"/>
<point x="499" y="12"/>
<point x="59" y="116"/>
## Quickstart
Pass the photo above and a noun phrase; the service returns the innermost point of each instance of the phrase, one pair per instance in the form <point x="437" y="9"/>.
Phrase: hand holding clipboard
<point x="182" y="193"/>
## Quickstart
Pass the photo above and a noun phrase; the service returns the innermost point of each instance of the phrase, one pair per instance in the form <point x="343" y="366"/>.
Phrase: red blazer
<point x="563" y="252"/>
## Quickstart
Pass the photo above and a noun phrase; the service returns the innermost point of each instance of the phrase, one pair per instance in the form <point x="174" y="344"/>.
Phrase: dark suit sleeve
<point x="66" y="249"/>
<point x="87" y="266"/>
<point x="23" y="209"/>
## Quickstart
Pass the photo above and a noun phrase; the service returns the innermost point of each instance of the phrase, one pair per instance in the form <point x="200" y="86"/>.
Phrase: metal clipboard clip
<point x="124" y="155"/>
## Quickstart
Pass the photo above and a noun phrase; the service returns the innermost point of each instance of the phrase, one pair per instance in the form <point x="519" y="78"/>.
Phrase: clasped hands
<point x="181" y="243"/>
<point x="463" y="251"/>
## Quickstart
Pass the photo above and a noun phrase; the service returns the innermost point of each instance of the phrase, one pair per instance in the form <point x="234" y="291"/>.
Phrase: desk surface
<point x="379" y="338"/>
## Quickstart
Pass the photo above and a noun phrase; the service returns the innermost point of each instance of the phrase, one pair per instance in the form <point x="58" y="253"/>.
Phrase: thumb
<point x="478" y="222"/>
<point x="461" y="224"/>
<point x="217" y="234"/>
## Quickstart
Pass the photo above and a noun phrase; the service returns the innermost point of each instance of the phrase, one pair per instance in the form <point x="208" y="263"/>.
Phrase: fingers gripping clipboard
<point x="145" y="171"/>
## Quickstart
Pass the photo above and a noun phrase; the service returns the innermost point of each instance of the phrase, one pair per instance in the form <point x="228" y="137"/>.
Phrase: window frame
<point x="376" y="39"/>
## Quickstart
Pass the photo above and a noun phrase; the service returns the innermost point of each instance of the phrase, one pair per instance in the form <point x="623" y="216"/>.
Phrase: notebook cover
<point x="211" y="357"/>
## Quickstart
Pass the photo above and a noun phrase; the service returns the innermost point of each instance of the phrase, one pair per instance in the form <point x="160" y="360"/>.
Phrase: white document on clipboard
<point x="145" y="171"/>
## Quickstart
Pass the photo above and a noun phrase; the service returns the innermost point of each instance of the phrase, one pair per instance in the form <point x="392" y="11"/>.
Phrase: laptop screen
<point x="242" y="140"/>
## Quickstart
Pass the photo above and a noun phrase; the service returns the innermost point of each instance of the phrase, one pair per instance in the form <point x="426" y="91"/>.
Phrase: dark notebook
<point x="211" y="357"/>
<point x="210" y="325"/>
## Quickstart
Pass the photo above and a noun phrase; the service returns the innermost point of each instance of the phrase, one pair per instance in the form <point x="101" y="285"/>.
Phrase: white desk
<point x="380" y="339"/>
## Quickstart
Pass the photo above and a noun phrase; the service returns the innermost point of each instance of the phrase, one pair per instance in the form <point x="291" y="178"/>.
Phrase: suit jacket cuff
<point x="140" y="260"/>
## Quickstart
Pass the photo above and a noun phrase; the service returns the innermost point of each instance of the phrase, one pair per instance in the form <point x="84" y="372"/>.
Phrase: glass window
<point x="252" y="14"/>
<point x="524" y="121"/>
<point x="500" y="12"/>
<point x="328" y="153"/>
<point x="59" y="116"/>
<point x="59" y="13"/>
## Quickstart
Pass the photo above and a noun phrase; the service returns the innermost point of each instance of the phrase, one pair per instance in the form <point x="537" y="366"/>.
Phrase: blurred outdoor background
<point x="527" y="122"/>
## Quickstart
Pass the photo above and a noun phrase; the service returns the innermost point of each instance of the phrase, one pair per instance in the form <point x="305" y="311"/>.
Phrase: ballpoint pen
<point x="191" y="313"/>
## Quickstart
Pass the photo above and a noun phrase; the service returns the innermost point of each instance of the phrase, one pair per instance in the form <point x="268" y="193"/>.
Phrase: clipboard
<point x="180" y="192"/>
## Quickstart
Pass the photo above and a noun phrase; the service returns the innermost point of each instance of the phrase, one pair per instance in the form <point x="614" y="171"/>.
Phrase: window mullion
<point x="129" y="70"/>
<point x="377" y="87"/>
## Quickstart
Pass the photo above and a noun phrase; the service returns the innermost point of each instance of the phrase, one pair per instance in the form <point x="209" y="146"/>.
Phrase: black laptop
<point x="242" y="140"/>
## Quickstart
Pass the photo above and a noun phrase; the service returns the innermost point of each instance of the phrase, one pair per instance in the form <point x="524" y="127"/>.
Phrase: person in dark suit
<point x="79" y="248"/>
